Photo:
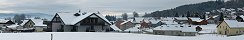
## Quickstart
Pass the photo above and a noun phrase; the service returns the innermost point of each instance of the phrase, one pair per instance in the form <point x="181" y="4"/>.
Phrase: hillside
<point x="197" y="8"/>
<point x="42" y="15"/>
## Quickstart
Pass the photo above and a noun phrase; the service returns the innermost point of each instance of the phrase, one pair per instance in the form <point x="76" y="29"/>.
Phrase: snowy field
<point x="108" y="36"/>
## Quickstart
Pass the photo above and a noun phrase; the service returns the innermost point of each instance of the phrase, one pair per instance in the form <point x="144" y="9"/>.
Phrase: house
<point x="175" y="30"/>
<point x="240" y="18"/>
<point x="169" y="22"/>
<point x="123" y="24"/>
<point x="39" y="26"/>
<point x="4" y="23"/>
<point x="10" y="28"/>
<point x="211" y="20"/>
<point x="133" y="30"/>
<point x="145" y="23"/>
<point x="155" y="23"/>
<point x="137" y="20"/>
<point x="181" y="20"/>
<point x="26" y="26"/>
<point x="197" y="21"/>
<point x="79" y="22"/>
<point x="230" y="27"/>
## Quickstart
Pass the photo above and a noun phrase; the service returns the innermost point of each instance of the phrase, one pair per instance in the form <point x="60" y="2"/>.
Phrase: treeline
<point x="197" y="9"/>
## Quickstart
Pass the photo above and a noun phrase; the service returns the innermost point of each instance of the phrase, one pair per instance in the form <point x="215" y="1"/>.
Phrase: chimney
<point x="84" y="13"/>
<point x="76" y="14"/>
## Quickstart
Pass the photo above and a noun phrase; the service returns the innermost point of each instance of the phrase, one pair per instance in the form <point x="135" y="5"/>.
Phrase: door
<point x="90" y="29"/>
<point x="74" y="29"/>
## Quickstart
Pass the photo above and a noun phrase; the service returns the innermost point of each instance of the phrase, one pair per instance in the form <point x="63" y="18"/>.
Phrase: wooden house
<point x="80" y="22"/>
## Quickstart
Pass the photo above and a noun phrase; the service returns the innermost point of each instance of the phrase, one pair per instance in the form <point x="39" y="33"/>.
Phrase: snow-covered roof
<point x="115" y="28"/>
<point x="169" y="22"/>
<point x="13" y="26"/>
<point x="208" y="31"/>
<point x="181" y="18"/>
<point x="242" y="17"/>
<point x="234" y="24"/>
<point x="175" y="28"/>
<point x="167" y="19"/>
<point x="3" y="21"/>
<point x="154" y="21"/>
<point x="196" y="19"/>
<point x="168" y="27"/>
<point x="38" y="22"/>
<point x="70" y="19"/>
<point x="215" y="16"/>
<point x="124" y="22"/>
<point x="137" y="19"/>
<point x="185" y="29"/>
<point x="24" y="22"/>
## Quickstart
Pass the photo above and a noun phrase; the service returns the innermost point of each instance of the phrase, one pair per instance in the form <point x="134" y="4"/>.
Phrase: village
<point x="226" y="23"/>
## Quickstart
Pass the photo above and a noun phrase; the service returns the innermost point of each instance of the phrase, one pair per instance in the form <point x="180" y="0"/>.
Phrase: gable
<point x="70" y="19"/>
<point x="56" y="19"/>
<point x="96" y="16"/>
<point x="28" y="23"/>
<point x="223" y="25"/>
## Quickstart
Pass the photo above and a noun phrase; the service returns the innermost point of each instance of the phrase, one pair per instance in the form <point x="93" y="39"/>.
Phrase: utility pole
<point x="51" y="36"/>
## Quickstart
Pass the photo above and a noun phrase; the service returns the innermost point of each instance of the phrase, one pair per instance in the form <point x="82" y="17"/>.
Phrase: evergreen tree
<point x="188" y="14"/>
<point x="18" y="18"/>
<point x="125" y="16"/>
<point x="176" y="15"/>
<point x="135" y="14"/>
<point x="221" y="17"/>
<point x="183" y="15"/>
<point x="203" y="16"/>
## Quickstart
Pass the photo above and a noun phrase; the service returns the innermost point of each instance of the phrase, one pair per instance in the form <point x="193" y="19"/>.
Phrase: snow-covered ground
<point x="109" y="36"/>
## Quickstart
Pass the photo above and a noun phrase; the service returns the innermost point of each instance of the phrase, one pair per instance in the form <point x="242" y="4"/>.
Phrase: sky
<point x="106" y="7"/>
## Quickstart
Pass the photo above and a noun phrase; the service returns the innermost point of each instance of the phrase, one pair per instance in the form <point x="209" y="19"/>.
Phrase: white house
<point x="4" y="23"/>
<point x="79" y="22"/>
<point x="39" y="26"/>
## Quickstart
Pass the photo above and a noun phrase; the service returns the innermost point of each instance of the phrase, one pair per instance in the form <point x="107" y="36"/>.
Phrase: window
<point x="181" y="26"/>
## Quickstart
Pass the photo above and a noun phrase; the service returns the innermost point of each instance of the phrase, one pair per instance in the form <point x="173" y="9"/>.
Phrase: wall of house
<point x="38" y="29"/>
<point x="235" y="31"/>
<point x="82" y="28"/>
<point x="188" y="33"/>
<point x="222" y="28"/>
<point x="164" y="32"/>
<point x="144" y="25"/>
<point x="68" y="28"/>
<point x="28" y="25"/>
<point x="173" y="32"/>
<point x="55" y="27"/>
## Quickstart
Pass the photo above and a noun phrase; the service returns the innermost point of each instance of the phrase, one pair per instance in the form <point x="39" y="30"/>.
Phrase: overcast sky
<point x="112" y="7"/>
